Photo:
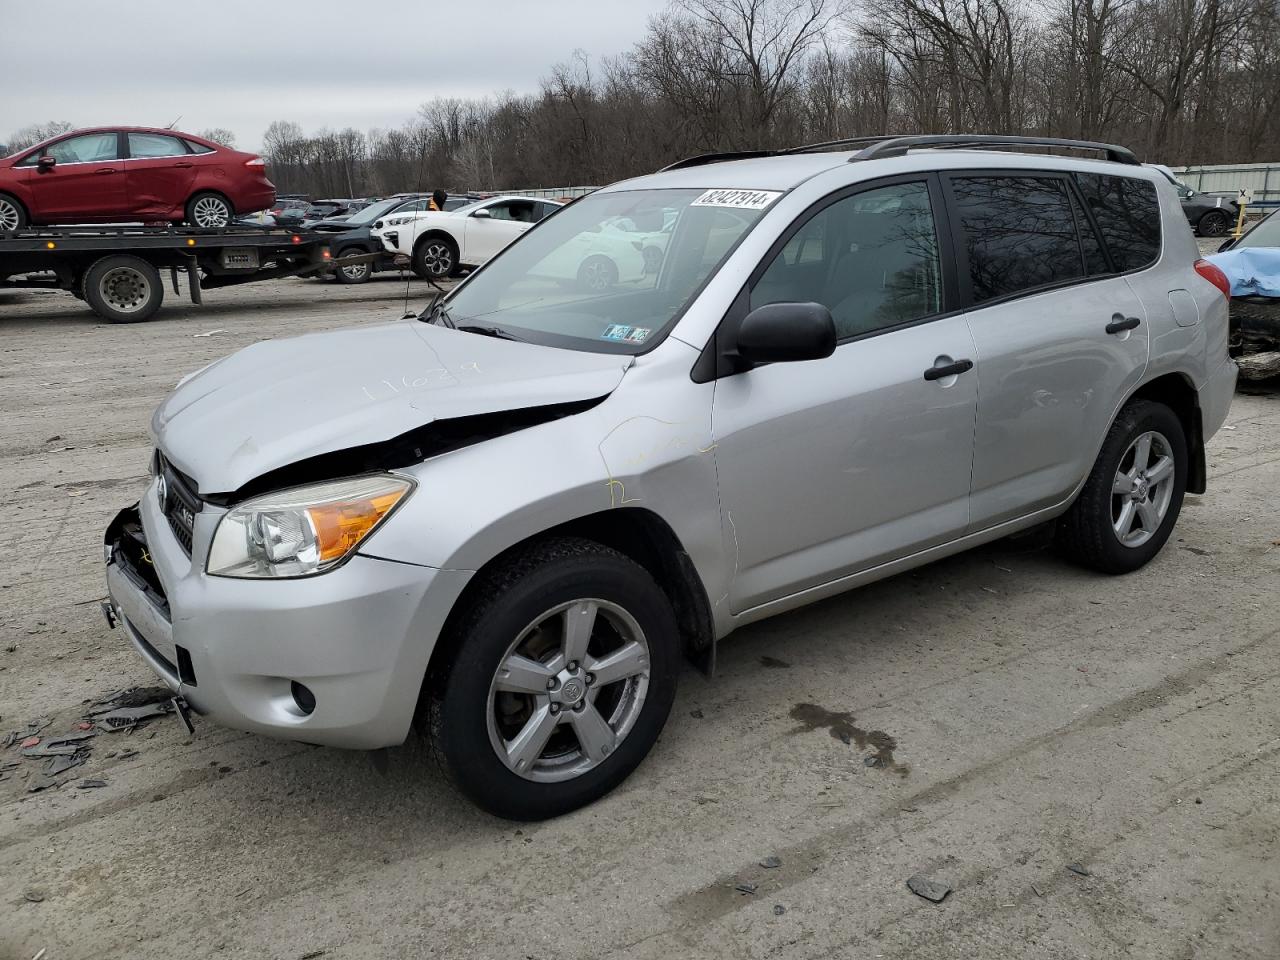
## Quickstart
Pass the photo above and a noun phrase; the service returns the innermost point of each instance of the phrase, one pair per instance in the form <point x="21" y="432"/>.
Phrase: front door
<point x="1061" y="340"/>
<point x="833" y="466"/>
<point x="158" y="175"/>
<point x="485" y="236"/>
<point x="86" y="183"/>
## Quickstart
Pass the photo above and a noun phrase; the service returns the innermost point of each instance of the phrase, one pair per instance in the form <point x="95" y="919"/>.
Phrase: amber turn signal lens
<point x="340" y="526"/>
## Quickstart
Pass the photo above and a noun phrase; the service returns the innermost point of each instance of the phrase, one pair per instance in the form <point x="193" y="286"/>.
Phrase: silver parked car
<point x="510" y="518"/>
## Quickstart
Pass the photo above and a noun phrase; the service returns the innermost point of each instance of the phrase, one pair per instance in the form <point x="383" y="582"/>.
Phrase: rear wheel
<point x="564" y="675"/>
<point x="209" y="211"/>
<point x="123" y="289"/>
<point x="1132" y="498"/>
<point x="356" y="272"/>
<point x="1213" y="224"/>
<point x="12" y="214"/>
<point x="435" y="258"/>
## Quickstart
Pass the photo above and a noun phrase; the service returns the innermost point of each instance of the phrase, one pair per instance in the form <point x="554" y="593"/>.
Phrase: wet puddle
<point x="841" y="727"/>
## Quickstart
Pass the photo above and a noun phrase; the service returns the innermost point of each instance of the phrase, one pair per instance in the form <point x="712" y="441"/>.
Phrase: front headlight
<point x="303" y="531"/>
<point x="398" y="221"/>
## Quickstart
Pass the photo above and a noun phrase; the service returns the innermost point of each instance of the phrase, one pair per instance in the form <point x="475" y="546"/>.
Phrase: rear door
<point x="833" y="466"/>
<point x="86" y="183"/>
<point x="159" y="172"/>
<point x="1061" y="338"/>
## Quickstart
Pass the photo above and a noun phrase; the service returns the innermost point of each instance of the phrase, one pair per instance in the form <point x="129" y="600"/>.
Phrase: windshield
<point x="611" y="272"/>
<point x="1265" y="234"/>
<point x="374" y="211"/>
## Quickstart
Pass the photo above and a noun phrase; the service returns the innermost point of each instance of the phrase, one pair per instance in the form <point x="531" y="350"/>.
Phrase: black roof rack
<point x="897" y="146"/>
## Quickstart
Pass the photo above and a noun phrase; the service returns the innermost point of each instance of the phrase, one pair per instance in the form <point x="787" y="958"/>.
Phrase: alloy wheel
<point x="210" y="212"/>
<point x="437" y="258"/>
<point x="10" y="217"/>
<point x="568" y="691"/>
<point x="1142" y="489"/>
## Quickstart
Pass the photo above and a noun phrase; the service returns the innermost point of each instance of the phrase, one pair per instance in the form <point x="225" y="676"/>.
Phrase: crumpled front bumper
<point x="356" y="639"/>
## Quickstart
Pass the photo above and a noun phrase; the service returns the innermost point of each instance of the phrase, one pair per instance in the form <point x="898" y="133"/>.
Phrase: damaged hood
<point x="281" y="401"/>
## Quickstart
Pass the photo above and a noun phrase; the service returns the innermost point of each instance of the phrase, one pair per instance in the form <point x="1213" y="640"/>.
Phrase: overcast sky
<point x="240" y="64"/>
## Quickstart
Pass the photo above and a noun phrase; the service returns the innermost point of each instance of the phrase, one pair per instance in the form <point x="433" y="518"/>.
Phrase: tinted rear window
<point x="1020" y="233"/>
<point x="1128" y="214"/>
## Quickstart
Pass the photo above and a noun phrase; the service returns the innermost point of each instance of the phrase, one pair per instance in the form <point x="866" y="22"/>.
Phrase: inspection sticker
<point x="741" y="199"/>
<point x="625" y="334"/>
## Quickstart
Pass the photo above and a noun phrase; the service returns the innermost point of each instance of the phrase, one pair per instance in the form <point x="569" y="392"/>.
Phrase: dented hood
<point x="281" y="401"/>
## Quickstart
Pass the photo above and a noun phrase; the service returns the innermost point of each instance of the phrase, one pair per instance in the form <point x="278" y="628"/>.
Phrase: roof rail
<point x="705" y="158"/>
<point x="897" y="146"/>
<point x="843" y="142"/>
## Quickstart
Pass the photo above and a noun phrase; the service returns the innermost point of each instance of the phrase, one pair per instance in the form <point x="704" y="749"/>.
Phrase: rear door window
<point x="1019" y="233"/>
<point x="1127" y="212"/>
<point x="143" y="145"/>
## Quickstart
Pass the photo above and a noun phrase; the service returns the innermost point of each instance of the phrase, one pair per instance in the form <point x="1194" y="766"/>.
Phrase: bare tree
<point x="29" y="136"/>
<point x="220" y="135"/>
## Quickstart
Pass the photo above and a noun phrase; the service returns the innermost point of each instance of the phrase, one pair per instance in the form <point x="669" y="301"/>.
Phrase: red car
<point x="115" y="174"/>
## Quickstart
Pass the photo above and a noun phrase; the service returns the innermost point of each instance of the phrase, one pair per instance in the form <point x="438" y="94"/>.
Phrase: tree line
<point x="1179" y="81"/>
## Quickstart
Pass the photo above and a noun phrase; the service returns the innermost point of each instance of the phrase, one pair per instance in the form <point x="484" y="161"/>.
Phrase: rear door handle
<point x="1120" y="323"/>
<point x="183" y="165"/>
<point x="105" y="170"/>
<point x="948" y="369"/>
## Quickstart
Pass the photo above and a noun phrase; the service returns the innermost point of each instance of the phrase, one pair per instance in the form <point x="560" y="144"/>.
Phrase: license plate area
<point x="239" y="258"/>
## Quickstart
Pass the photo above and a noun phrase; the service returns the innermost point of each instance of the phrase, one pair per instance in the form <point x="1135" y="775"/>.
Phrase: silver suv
<point x="510" y="517"/>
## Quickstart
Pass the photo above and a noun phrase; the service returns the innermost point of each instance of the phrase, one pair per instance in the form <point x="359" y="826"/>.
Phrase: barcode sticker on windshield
<point x="741" y="199"/>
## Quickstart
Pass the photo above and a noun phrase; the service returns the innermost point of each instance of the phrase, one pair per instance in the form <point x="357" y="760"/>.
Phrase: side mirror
<point x="483" y="214"/>
<point x="782" y="332"/>
<point x="46" y="163"/>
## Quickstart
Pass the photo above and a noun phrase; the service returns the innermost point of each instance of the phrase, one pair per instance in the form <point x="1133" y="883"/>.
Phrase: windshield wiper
<point x="438" y="313"/>
<point x="488" y="331"/>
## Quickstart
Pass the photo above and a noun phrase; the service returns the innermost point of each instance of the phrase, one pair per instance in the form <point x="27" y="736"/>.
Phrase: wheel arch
<point x="637" y="533"/>
<point x="437" y="233"/>
<point x="1178" y="393"/>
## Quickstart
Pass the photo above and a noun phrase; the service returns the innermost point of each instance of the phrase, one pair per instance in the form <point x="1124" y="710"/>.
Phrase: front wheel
<point x="435" y="258"/>
<point x="123" y="289"/>
<point x="563" y="678"/>
<point x="355" y="272"/>
<point x="1132" y="498"/>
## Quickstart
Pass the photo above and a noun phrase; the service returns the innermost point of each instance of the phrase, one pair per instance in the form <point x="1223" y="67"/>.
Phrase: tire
<point x="123" y="289"/>
<point x="1107" y="528"/>
<point x="435" y="258"/>
<point x="652" y="259"/>
<point x="1213" y="224"/>
<point x="597" y="273"/>
<point x="13" y="216"/>
<point x="209" y="211"/>
<point x="358" y="273"/>
<point x="524" y="605"/>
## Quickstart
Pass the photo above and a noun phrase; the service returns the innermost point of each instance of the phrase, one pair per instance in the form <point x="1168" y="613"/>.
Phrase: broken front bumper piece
<point x="335" y="659"/>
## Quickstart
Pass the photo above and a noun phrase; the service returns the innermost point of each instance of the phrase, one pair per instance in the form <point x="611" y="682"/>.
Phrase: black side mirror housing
<point x="785" y="332"/>
<point x="46" y="163"/>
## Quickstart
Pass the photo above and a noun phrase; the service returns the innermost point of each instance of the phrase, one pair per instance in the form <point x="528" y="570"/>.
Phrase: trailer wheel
<point x="123" y="289"/>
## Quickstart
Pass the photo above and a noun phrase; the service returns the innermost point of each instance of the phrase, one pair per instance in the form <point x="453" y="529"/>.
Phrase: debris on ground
<point x="208" y="333"/>
<point x="34" y="896"/>
<point x="745" y="888"/>
<point x="126" y="718"/>
<point x="779" y="909"/>
<point x="922" y="886"/>
<point x="696" y="714"/>
<point x="312" y="955"/>
<point x="1079" y="870"/>
<point x="90" y="784"/>
<point x="774" y="663"/>
<point x="871" y="761"/>
<point x="771" y="863"/>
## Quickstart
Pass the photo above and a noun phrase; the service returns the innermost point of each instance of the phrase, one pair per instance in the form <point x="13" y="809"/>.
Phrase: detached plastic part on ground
<point x="1253" y="271"/>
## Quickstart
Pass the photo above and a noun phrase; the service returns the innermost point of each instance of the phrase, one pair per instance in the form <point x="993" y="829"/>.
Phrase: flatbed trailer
<point x="116" y="270"/>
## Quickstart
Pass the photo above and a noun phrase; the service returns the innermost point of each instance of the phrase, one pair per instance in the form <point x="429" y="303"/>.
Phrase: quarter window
<point x="145" y="145"/>
<point x="1128" y="214"/>
<point x="1019" y="232"/>
<point x="871" y="259"/>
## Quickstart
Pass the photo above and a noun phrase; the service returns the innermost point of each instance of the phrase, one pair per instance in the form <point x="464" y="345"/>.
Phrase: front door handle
<point x="1119" y="323"/>
<point x="948" y="369"/>
<point x="105" y="170"/>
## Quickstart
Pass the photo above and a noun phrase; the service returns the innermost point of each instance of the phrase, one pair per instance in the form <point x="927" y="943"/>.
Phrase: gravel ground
<point x="1040" y="716"/>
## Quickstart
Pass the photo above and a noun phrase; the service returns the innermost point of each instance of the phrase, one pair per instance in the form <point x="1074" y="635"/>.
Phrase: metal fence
<point x="556" y="193"/>
<point x="1262" y="178"/>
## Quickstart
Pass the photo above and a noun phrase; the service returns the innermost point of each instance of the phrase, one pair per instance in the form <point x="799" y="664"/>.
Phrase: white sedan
<point x="438" y="244"/>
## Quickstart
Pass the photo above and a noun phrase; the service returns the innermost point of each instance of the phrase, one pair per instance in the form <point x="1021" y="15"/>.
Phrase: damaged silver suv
<point x="512" y="516"/>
